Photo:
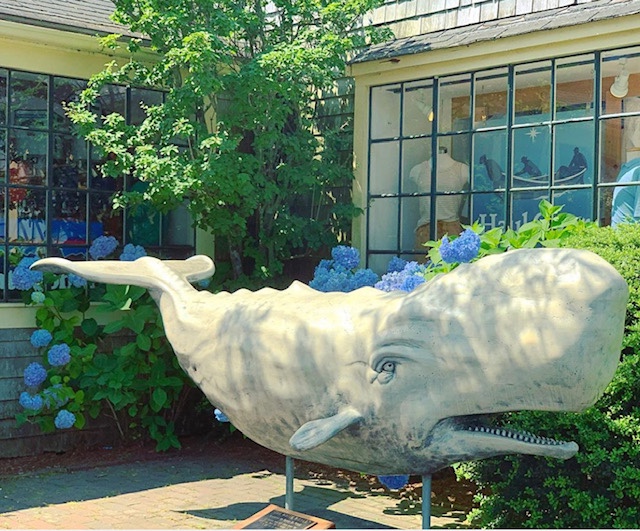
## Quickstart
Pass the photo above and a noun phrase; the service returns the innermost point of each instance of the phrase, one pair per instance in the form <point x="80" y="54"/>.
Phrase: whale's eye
<point x="388" y="366"/>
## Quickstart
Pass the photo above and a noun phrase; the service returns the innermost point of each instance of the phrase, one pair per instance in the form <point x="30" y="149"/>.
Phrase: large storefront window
<point x="53" y="199"/>
<point x="489" y="145"/>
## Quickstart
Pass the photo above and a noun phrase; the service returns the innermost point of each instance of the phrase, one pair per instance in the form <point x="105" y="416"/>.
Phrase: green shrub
<point x="600" y="486"/>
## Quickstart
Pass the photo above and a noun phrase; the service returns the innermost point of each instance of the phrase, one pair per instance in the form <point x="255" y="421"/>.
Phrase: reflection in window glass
<point x="410" y="221"/>
<point x="140" y="99"/>
<point x="29" y="100"/>
<point x="103" y="219"/>
<point x="28" y="157"/>
<point x="27" y="211"/>
<point x="577" y="202"/>
<point x="531" y="156"/>
<point x="620" y="77"/>
<point x="574" y="87"/>
<point x="414" y="152"/>
<point x="69" y="213"/>
<point x="65" y="91"/>
<point x="3" y="97"/>
<point x="455" y="104"/>
<point x="612" y="155"/>
<point x="113" y="99"/>
<point x="418" y="108"/>
<point x="491" y="98"/>
<point x="490" y="151"/>
<point x="69" y="162"/>
<point x="532" y="92"/>
<point x="386" y="122"/>
<point x="573" y="157"/>
<point x="384" y="167"/>
<point x="3" y="228"/>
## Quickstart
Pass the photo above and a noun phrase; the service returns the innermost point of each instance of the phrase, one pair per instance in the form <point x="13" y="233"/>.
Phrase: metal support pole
<point x="426" y="502"/>
<point x="288" y="497"/>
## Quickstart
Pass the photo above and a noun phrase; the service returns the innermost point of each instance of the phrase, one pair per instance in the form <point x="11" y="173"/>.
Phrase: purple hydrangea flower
<point x="24" y="278"/>
<point x="396" y="264"/>
<point x="347" y="257"/>
<point x="41" y="338"/>
<point x="405" y="280"/>
<point x="220" y="416"/>
<point x="132" y="252"/>
<point x="76" y="281"/>
<point x="59" y="355"/>
<point x="33" y="402"/>
<point x="102" y="247"/>
<point x="64" y="419"/>
<point x="37" y="297"/>
<point x="34" y="374"/>
<point x="394" y="482"/>
<point x="463" y="249"/>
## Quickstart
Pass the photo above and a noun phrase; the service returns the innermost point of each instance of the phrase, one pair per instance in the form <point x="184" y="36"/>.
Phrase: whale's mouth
<point x="477" y="430"/>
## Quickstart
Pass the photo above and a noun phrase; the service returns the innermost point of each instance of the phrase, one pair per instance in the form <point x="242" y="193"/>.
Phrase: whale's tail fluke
<point x="146" y="272"/>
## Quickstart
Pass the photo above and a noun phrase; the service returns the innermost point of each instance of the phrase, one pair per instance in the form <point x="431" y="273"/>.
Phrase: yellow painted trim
<point x="18" y="315"/>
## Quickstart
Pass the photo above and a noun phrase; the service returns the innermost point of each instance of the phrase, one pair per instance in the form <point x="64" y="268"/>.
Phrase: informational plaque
<point x="274" y="517"/>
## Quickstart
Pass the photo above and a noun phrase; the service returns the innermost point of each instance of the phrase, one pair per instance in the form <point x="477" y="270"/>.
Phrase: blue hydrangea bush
<point x="125" y="370"/>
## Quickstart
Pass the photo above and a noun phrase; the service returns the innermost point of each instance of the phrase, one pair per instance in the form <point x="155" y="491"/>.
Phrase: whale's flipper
<point x="319" y="431"/>
<point x="144" y="272"/>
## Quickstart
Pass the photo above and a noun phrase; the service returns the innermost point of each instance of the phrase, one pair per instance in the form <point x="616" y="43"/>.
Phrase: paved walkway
<point x="195" y="492"/>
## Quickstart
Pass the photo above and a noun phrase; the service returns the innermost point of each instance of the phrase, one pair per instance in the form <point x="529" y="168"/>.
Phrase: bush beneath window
<point x="600" y="486"/>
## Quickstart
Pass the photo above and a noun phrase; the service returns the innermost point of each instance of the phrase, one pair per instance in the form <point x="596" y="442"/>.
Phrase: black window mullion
<point x="597" y="125"/>
<point x="435" y="137"/>
<point x="510" y="132"/>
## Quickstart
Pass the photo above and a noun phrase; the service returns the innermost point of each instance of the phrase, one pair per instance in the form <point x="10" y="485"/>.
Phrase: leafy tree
<point x="240" y="138"/>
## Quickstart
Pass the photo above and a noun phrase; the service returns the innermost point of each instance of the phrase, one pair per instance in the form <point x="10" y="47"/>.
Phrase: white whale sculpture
<point x="394" y="383"/>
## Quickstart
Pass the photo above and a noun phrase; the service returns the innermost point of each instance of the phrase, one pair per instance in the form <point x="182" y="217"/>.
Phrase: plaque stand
<point x="289" y="470"/>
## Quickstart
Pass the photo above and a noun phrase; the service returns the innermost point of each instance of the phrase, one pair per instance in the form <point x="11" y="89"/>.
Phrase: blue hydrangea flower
<point x="59" y="355"/>
<point x="34" y="374"/>
<point x="394" y="482"/>
<point x="362" y="278"/>
<point x="37" y="297"/>
<point x="32" y="402"/>
<point x="132" y="252"/>
<point x="41" y="338"/>
<point x="463" y="249"/>
<point x="64" y="419"/>
<point x="24" y="278"/>
<point x="347" y="257"/>
<point x="204" y="284"/>
<point x="54" y="397"/>
<point x="405" y="280"/>
<point x="102" y="247"/>
<point x="396" y="264"/>
<point x="76" y="281"/>
<point x="220" y="416"/>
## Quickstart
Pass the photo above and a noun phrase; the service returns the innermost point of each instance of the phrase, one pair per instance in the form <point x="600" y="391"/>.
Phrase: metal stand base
<point x="288" y="497"/>
<point x="426" y="502"/>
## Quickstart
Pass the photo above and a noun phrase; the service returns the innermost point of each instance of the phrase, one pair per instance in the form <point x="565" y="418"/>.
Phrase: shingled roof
<point x="501" y="28"/>
<point x="77" y="16"/>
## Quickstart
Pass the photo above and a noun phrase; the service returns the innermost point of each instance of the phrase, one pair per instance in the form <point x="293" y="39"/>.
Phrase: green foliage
<point x="133" y="377"/>
<point x="551" y="229"/>
<point x="240" y="138"/>
<point x="599" y="487"/>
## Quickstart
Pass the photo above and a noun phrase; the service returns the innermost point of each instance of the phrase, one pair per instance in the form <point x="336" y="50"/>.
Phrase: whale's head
<point x="525" y="330"/>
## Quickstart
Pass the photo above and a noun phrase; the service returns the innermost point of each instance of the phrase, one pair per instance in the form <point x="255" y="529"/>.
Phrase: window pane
<point x="379" y="262"/>
<point x="455" y="104"/>
<point x="531" y="157"/>
<point x="410" y="222"/>
<point x="524" y="206"/>
<point x="65" y="91"/>
<point x="28" y="157"/>
<point x="574" y="87"/>
<point x="3" y="96"/>
<point x="490" y="152"/>
<point x="491" y="98"/>
<point x="573" y="158"/>
<point x="27" y="220"/>
<point x="69" y="223"/>
<point x="29" y="100"/>
<point x="625" y="200"/>
<point x="178" y="228"/>
<point x="112" y="99"/>
<point x="532" y="92"/>
<point x="487" y="209"/>
<point x="418" y="108"/>
<point x="3" y="155"/>
<point x="103" y="219"/>
<point x="605" y="202"/>
<point x="2" y="218"/>
<point x="577" y="202"/>
<point x="414" y="152"/>
<point x="383" y="231"/>
<point x="613" y="155"/>
<point x="385" y="115"/>
<point x="70" y="252"/>
<point x="620" y="74"/>
<point x="141" y="98"/>
<point x="384" y="168"/>
<point x="69" y="161"/>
